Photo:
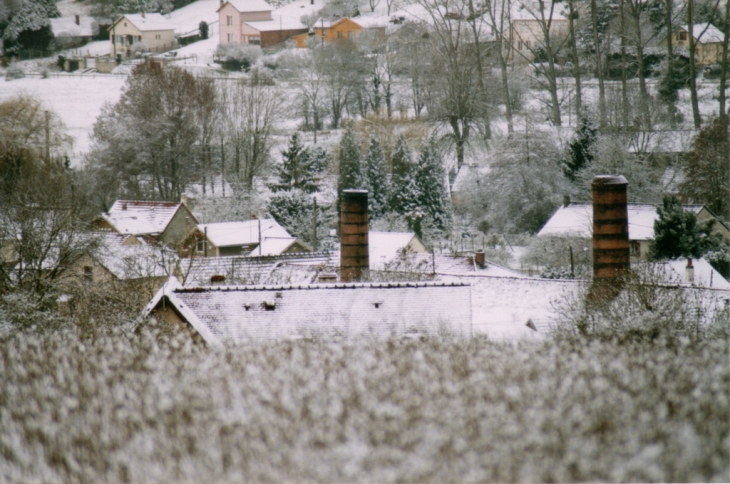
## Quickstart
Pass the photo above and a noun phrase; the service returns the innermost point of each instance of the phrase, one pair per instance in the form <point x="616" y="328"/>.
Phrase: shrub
<point x="14" y="71"/>
<point x="238" y="57"/>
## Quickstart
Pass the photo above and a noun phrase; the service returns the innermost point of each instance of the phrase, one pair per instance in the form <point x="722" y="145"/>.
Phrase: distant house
<point x="122" y="259"/>
<point x="250" y="22"/>
<point x="237" y="314"/>
<point x="708" y="42"/>
<point x="250" y="237"/>
<point x="524" y="35"/>
<point x="151" y="29"/>
<point x="576" y="219"/>
<point x="331" y="30"/>
<point x="74" y="31"/>
<point x="387" y="250"/>
<point x="169" y="223"/>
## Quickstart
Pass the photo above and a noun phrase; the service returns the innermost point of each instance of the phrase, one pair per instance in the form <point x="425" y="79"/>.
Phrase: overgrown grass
<point x="145" y="408"/>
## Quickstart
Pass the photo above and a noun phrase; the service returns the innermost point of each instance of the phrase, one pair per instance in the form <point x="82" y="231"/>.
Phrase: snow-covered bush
<point x="551" y="257"/>
<point x="647" y="305"/>
<point x="238" y="57"/>
<point x="14" y="71"/>
<point x="139" y="48"/>
<point x="150" y="408"/>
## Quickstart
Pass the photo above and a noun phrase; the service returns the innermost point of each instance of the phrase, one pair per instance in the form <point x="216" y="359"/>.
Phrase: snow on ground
<point x="76" y="99"/>
<point x="203" y="51"/>
<point x="188" y="18"/>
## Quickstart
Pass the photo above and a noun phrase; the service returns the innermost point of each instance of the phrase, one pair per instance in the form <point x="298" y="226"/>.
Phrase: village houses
<point x="149" y="31"/>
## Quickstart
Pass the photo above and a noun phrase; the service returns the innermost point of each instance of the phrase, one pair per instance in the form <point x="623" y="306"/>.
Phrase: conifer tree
<point x="430" y="179"/>
<point x="376" y="178"/>
<point x="297" y="169"/>
<point x="403" y="189"/>
<point x="350" y="173"/>
<point x="580" y="150"/>
<point x="678" y="233"/>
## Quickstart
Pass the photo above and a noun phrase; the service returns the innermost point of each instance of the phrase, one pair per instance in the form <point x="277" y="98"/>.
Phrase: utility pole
<point x="48" y="136"/>
<point x="314" y="237"/>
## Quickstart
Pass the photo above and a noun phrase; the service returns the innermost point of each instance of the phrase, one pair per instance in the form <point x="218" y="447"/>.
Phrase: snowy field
<point x="76" y="99"/>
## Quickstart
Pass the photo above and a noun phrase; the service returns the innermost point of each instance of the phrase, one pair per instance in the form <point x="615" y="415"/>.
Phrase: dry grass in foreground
<point x="121" y="409"/>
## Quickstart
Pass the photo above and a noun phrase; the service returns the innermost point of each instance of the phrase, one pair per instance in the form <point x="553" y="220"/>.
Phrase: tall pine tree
<point x="403" y="190"/>
<point x="350" y="173"/>
<point x="376" y="178"/>
<point x="297" y="169"/>
<point x="430" y="178"/>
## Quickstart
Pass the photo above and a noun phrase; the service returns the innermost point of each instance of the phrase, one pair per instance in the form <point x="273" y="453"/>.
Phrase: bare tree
<point x="724" y="62"/>
<point x="250" y="110"/>
<point x="497" y="15"/>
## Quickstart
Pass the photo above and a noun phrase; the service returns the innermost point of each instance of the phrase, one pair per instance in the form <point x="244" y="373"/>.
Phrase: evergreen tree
<point x="297" y="169"/>
<point x="430" y="179"/>
<point x="29" y="28"/>
<point x="318" y="158"/>
<point x="350" y="174"/>
<point x="677" y="232"/>
<point x="580" y="151"/>
<point x="376" y="178"/>
<point x="403" y="189"/>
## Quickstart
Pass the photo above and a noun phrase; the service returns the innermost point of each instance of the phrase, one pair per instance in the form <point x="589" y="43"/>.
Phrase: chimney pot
<point x="77" y="19"/>
<point x="124" y="206"/>
<point x="566" y="200"/>
<point x="354" y="250"/>
<point x="689" y="272"/>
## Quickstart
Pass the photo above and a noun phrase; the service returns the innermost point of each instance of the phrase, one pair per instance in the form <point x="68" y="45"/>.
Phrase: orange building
<point x="331" y="30"/>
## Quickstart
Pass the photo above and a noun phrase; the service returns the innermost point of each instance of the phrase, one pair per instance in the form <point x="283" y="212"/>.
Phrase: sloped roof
<point x="276" y="24"/>
<point x="274" y="246"/>
<point x="148" y="22"/>
<point x="385" y="247"/>
<point x="236" y="314"/>
<point x="577" y="219"/>
<point x="141" y="217"/>
<point x="227" y="234"/>
<point x="704" y="274"/>
<point x="244" y="6"/>
<point x="708" y="33"/>
<point x="66" y="26"/>
<point x="502" y="306"/>
<point x="129" y="262"/>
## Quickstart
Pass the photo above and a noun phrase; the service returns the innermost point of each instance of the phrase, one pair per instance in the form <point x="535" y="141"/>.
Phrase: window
<point x="158" y="36"/>
<point x="230" y="38"/>
<point x="339" y="35"/>
<point x="527" y="44"/>
<point x="350" y="35"/>
<point x="201" y="246"/>
<point x="635" y="248"/>
<point x="255" y="40"/>
<point x="88" y="273"/>
<point x="229" y="20"/>
<point x="519" y="45"/>
<point x="682" y="36"/>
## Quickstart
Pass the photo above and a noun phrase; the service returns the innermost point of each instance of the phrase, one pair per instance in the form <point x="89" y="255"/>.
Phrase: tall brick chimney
<point x="610" y="228"/>
<point x="354" y="251"/>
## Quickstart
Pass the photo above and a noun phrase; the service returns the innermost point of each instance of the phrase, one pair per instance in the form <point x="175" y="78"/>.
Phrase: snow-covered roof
<point x="67" y="27"/>
<point x="236" y="314"/>
<point x="705" y="33"/>
<point x="227" y="234"/>
<point x="249" y="5"/>
<point x="331" y="22"/>
<point x="148" y="22"/>
<point x="577" y="219"/>
<point x="373" y="21"/>
<point x="502" y="306"/>
<point x="385" y="247"/>
<point x="141" y="217"/>
<point x="136" y="261"/>
<point x="276" y="24"/>
<point x="704" y="274"/>
<point x="274" y="246"/>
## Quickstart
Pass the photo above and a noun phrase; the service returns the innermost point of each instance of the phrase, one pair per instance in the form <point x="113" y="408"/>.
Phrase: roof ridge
<point x="352" y="285"/>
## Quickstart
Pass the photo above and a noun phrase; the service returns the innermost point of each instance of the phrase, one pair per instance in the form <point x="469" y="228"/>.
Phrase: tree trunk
<point x="643" y="92"/>
<point x="624" y="75"/>
<point x="480" y="72"/>
<point x="723" y="64"/>
<point x="576" y="61"/>
<point x="669" y="4"/>
<point x="551" y="76"/>
<point x="692" y="67"/>
<point x="599" y="65"/>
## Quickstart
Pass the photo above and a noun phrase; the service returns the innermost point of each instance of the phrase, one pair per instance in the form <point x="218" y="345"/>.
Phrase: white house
<point x="152" y="30"/>
<point x="250" y="237"/>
